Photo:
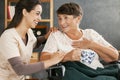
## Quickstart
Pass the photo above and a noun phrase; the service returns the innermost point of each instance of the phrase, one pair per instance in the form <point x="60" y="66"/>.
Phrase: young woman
<point x="17" y="43"/>
<point x="83" y="48"/>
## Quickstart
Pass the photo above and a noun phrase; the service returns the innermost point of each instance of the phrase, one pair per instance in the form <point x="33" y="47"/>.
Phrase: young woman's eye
<point x="38" y="14"/>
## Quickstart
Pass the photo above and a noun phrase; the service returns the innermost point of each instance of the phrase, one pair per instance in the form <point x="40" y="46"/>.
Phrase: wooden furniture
<point x="34" y="57"/>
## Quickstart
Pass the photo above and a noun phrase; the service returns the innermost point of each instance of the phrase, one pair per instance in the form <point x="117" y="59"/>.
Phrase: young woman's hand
<point x="73" y="55"/>
<point x="57" y="57"/>
<point x="54" y="59"/>
<point x="52" y="29"/>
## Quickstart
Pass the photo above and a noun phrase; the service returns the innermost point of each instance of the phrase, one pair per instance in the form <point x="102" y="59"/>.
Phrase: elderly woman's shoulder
<point x="89" y="31"/>
<point x="58" y="33"/>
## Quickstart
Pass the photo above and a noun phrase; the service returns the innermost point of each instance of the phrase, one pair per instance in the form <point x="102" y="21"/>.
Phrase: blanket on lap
<point x="78" y="71"/>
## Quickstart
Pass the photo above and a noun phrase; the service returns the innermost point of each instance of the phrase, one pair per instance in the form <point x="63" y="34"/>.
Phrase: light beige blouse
<point x="11" y="45"/>
<point x="60" y="41"/>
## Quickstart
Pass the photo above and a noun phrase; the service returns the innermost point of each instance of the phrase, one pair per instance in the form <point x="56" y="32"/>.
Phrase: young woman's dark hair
<point x="70" y="9"/>
<point x="22" y="4"/>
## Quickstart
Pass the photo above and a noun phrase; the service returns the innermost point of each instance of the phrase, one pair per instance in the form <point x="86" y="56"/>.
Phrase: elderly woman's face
<point x="67" y="22"/>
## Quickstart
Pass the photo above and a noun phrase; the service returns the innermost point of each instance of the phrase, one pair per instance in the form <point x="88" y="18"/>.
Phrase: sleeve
<point x="9" y="46"/>
<point x="23" y="69"/>
<point x="95" y="36"/>
<point x="51" y="44"/>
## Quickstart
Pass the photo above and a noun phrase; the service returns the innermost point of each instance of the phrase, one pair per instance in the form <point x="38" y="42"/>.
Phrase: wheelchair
<point x="56" y="72"/>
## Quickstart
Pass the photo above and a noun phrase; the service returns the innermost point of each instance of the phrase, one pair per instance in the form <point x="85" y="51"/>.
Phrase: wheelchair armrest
<point x="110" y="63"/>
<point x="115" y="62"/>
<point x="56" y="72"/>
<point x="118" y="65"/>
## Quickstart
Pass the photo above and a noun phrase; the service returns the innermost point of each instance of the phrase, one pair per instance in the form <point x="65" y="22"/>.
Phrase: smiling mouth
<point x="64" y="27"/>
<point x="36" y="22"/>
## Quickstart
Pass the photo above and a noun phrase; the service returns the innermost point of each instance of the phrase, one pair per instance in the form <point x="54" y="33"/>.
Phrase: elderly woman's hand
<point x="82" y="44"/>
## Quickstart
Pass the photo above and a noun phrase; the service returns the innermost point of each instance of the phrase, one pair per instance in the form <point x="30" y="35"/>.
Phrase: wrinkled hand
<point x="73" y="55"/>
<point x="52" y="29"/>
<point x="53" y="59"/>
<point x="57" y="57"/>
<point x="82" y="44"/>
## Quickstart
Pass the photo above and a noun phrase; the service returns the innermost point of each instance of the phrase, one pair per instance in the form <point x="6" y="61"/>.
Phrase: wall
<point x="100" y="15"/>
<point x="2" y="18"/>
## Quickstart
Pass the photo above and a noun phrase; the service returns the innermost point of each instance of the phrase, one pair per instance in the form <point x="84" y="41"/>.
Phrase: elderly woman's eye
<point x="59" y="18"/>
<point x="66" y="17"/>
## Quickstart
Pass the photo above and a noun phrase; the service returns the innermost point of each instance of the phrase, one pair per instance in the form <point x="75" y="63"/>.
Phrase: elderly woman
<point x="83" y="48"/>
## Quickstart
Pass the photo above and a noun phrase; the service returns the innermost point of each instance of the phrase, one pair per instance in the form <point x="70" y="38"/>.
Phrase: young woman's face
<point x="67" y="23"/>
<point x="34" y="16"/>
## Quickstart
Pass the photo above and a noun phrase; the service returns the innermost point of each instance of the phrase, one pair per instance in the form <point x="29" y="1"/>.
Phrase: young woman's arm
<point x="22" y="68"/>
